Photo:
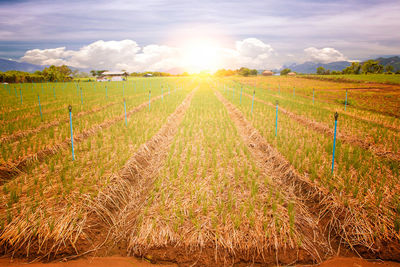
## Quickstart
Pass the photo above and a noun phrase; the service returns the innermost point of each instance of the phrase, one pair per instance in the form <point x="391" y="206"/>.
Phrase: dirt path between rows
<point x="11" y="170"/>
<point x="325" y="129"/>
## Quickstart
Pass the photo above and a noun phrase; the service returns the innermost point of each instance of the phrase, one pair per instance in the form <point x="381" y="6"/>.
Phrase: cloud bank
<point x="129" y="56"/>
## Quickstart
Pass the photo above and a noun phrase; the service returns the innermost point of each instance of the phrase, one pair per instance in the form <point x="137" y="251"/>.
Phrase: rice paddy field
<point x="200" y="170"/>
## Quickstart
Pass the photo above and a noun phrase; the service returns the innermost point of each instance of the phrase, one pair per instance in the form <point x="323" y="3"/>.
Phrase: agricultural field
<point x="200" y="170"/>
<point x="373" y="97"/>
<point x="360" y="78"/>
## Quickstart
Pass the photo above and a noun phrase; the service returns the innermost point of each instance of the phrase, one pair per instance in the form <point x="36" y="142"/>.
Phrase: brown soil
<point x="356" y="262"/>
<point x="118" y="261"/>
<point x="87" y="262"/>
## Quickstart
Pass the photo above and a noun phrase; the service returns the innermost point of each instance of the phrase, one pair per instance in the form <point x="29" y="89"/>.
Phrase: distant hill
<point x="394" y="61"/>
<point x="311" y="67"/>
<point x="6" y="64"/>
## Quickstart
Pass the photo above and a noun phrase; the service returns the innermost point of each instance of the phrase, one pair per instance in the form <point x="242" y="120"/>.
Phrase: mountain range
<point x="311" y="67"/>
<point x="306" y="67"/>
<point x="6" y="64"/>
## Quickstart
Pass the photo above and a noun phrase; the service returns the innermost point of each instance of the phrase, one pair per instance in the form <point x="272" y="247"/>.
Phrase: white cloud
<point x="253" y="48"/>
<point x="324" y="55"/>
<point x="128" y="55"/>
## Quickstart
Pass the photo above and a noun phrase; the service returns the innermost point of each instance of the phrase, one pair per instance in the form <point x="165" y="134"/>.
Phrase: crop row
<point x="372" y="186"/>
<point x="51" y="110"/>
<point x="211" y="193"/>
<point x="49" y="201"/>
<point x="51" y="136"/>
<point x="384" y="138"/>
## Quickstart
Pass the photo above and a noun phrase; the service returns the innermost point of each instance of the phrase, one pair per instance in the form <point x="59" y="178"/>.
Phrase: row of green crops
<point x="48" y="200"/>
<point x="386" y="139"/>
<point x="359" y="175"/>
<point x="32" y="143"/>
<point x="210" y="191"/>
<point x="19" y="117"/>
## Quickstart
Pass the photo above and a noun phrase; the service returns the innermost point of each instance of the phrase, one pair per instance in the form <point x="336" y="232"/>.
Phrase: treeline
<point x="242" y="71"/>
<point x="50" y="74"/>
<point x="369" y="66"/>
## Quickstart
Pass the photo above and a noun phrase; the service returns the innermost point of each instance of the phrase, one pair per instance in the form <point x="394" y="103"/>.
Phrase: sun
<point x="200" y="55"/>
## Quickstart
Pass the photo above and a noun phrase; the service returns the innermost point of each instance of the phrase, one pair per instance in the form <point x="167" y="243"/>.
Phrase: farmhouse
<point x="112" y="76"/>
<point x="267" y="73"/>
<point x="292" y="74"/>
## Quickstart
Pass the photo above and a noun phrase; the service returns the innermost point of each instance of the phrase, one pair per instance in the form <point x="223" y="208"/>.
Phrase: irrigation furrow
<point x="340" y="223"/>
<point x="127" y="189"/>
<point x="13" y="169"/>
<point x="345" y="137"/>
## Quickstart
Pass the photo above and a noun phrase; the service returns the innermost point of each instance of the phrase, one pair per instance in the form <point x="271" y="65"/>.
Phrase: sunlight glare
<point x="200" y="55"/>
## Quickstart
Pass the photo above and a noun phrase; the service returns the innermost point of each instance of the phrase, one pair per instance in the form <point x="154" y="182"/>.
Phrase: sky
<point x="195" y="35"/>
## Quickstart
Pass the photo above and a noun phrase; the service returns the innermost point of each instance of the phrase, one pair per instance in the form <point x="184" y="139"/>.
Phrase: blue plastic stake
<point x="20" y="93"/>
<point x="276" y="120"/>
<point x="72" y="135"/>
<point x="54" y="92"/>
<point x="149" y="98"/>
<point x="126" y="119"/>
<point x="313" y="95"/>
<point x="81" y="97"/>
<point x="241" y="90"/>
<point x="252" y="102"/>
<point x="334" y="141"/>
<point x="345" y="102"/>
<point x="15" y="89"/>
<point x="40" y="108"/>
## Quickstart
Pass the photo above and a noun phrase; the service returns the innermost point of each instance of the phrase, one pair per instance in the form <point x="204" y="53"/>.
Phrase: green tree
<point x="354" y="68"/>
<point x="372" y="66"/>
<point x="244" y="71"/>
<point x="389" y="69"/>
<point x="285" y="71"/>
<point x="54" y="73"/>
<point x="321" y="70"/>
